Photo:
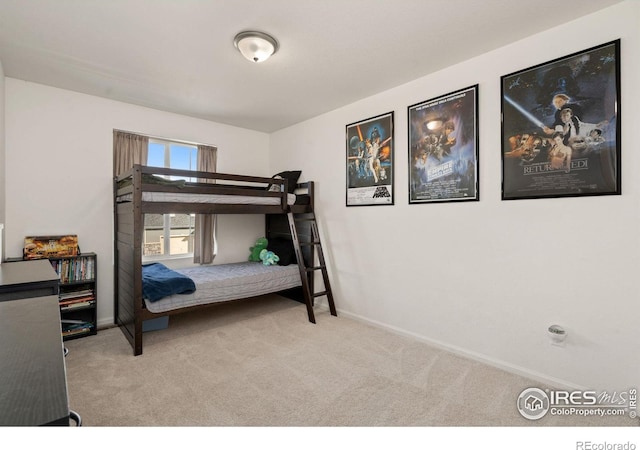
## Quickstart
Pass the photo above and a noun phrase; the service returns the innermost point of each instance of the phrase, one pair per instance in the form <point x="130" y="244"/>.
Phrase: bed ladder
<point x="306" y="272"/>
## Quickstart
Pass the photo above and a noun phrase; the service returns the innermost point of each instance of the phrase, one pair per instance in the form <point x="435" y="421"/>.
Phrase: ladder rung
<point x="304" y="220"/>
<point x="320" y="294"/>
<point x="310" y="243"/>
<point x="311" y="269"/>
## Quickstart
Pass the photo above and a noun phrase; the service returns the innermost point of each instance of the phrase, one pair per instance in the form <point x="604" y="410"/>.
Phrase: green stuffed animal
<point x="268" y="257"/>
<point x="261" y="244"/>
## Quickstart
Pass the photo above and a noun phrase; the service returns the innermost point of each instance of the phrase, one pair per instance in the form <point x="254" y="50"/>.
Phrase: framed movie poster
<point x="561" y="127"/>
<point x="369" y="160"/>
<point x="443" y="148"/>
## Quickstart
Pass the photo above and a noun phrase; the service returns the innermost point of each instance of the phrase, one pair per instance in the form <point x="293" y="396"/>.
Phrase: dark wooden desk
<point x="26" y="279"/>
<point x="33" y="386"/>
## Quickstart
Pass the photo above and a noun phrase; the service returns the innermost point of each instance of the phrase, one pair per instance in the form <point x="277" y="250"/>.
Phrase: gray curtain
<point x="204" y="245"/>
<point x="128" y="149"/>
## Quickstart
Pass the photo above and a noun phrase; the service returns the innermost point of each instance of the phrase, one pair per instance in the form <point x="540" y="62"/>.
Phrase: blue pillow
<point x="158" y="281"/>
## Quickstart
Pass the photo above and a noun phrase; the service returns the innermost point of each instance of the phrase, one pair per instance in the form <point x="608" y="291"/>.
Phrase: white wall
<point x="59" y="168"/>
<point x="478" y="277"/>
<point x="2" y="158"/>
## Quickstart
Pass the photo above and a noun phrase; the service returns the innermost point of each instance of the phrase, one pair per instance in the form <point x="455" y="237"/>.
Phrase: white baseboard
<point x="105" y="323"/>
<point x="503" y="365"/>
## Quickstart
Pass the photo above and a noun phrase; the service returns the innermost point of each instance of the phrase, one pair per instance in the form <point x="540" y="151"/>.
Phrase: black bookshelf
<point x="78" y="276"/>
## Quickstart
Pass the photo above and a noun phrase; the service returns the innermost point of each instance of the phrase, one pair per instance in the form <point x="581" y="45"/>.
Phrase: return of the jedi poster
<point x="561" y="127"/>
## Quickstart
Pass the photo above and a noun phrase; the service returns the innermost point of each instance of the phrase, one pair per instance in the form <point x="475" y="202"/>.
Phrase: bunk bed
<point x="152" y="190"/>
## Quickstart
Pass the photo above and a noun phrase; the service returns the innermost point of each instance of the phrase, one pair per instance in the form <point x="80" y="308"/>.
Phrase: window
<point x="172" y="154"/>
<point x="170" y="235"/>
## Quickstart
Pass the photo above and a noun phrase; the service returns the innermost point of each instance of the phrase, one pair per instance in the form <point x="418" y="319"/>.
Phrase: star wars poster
<point x="370" y="161"/>
<point x="561" y="127"/>
<point x="443" y="148"/>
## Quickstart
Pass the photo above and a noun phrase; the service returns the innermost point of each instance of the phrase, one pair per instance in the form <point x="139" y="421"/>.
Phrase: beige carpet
<point x="260" y="362"/>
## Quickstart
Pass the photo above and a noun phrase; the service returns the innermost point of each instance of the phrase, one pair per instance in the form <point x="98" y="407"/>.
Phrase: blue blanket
<point x="158" y="281"/>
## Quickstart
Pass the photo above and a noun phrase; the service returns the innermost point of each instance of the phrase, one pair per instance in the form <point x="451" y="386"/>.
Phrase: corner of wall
<point x="2" y="160"/>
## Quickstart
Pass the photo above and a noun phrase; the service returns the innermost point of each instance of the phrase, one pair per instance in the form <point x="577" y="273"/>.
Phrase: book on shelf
<point x="75" y="294"/>
<point x="77" y="269"/>
<point x="74" y="305"/>
<point x="71" y="322"/>
<point x="84" y="298"/>
<point x="70" y="326"/>
<point x="74" y="331"/>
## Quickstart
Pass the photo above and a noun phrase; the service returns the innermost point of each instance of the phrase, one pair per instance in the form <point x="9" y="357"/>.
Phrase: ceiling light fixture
<point x="255" y="46"/>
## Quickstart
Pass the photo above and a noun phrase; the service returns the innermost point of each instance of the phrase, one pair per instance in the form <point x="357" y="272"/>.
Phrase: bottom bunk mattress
<point x="223" y="282"/>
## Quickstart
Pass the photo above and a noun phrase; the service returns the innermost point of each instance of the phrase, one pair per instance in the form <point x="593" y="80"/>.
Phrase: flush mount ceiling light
<point x="255" y="46"/>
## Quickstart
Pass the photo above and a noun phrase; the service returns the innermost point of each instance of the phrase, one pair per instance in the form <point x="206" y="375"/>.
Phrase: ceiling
<point x="178" y="55"/>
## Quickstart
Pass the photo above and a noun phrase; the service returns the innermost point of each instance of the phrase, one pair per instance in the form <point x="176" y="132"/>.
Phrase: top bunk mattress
<point x="223" y="282"/>
<point x="220" y="199"/>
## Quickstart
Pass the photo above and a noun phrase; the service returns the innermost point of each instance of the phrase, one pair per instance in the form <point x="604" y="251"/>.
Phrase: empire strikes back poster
<point x="443" y="148"/>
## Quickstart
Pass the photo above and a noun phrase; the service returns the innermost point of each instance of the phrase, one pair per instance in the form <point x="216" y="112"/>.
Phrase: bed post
<point x="138" y="228"/>
<point x="311" y="187"/>
<point x="128" y="260"/>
